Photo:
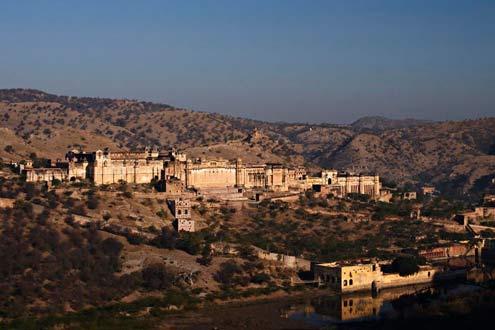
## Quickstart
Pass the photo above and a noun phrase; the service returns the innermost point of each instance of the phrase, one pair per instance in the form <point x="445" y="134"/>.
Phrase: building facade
<point x="178" y="172"/>
<point x="341" y="184"/>
<point x="350" y="276"/>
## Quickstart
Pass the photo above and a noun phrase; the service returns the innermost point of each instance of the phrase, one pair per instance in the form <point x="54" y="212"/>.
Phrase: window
<point x="350" y="282"/>
<point x="428" y="274"/>
<point x="345" y="282"/>
<point x="179" y="212"/>
<point x="350" y="302"/>
<point x="185" y="211"/>
<point x="374" y="267"/>
<point x="345" y="303"/>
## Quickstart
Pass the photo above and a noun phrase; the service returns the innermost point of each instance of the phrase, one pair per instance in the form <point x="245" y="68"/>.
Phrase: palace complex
<point x="180" y="172"/>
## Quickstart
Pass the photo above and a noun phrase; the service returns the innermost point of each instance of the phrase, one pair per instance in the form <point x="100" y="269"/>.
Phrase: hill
<point x="378" y="123"/>
<point x="399" y="150"/>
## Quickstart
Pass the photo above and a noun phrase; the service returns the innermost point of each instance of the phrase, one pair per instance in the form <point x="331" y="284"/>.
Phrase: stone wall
<point x="45" y="174"/>
<point x="285" y="260"/>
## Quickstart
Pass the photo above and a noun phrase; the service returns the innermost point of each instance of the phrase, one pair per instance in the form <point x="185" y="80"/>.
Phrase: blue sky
<point x="307" y="61"/>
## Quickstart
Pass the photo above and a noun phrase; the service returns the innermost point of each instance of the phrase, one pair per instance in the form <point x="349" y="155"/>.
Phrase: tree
<point x="206" y="257"/>
<point x="157" y="277"/>
<point x="228" y="273"/>
<point x="406" y="265"/>
<point x="93" y="201"/>
<point x="9" y="149"/>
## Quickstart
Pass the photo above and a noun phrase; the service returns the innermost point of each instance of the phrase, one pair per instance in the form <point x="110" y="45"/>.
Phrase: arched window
<point x="350" y="282"/>
<point x="179" y="212"/>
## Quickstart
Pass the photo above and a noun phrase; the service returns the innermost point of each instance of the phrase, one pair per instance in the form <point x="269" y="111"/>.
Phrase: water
<point x="363" y="306"/>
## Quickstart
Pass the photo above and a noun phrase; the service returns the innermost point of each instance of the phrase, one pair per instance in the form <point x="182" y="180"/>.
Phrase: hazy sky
<point x="307" y="60"/>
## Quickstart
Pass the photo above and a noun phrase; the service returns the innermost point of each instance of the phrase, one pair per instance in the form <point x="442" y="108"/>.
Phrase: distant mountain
<point x="443" y="153"/>
<point x="382" y="123"/>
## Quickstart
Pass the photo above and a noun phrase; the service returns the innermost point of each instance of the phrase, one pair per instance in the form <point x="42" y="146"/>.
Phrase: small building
<point x="44" y="174"/>
<point x="479" y="213"/>
<point x="186" y="225"/>
<point x="359" y="276"/>
<point x="174" y="186"/>
<point x="347" y="276"/>
<point x="386" y="195"/>
<point x="485" y="212"/>
<point x="180" y="208"/>
<point x="409" y="195"/>
<point x="415" y="212"/>
<point x="427" y="190"/>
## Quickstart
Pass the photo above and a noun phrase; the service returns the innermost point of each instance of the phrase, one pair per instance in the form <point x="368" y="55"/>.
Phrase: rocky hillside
<point x="401" y="150"/>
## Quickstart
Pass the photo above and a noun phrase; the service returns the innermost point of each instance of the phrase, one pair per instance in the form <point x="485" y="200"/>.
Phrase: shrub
<point x="406" y="265"/>
<point x="127" y="194"/>
<point x="9" y="149"/>
<point x="162" y="213"/>
<point x="206" y="257"/>
<point x="260" y="278"/>
<point x="157" y="277"/>
<point x="228" y="273"/>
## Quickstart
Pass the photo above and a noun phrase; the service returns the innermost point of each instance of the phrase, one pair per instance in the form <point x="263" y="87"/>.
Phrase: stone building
<point x="348" y="277"/>
<point x="485" y="212"/>
<point x="130" y="167"/>
<point x="180" y="208"/>
<point x="44" y="174"/>
<point x="186" y="225"/>
<point x="173" y="186"/>
<point x="427" y="190"/>
<point x="177" y="173"/>
<point x="105" y="167"/>
<point x="344" y="183"/>
<point x="356" y="276"/>
<point x="216" y="173"/>
<point x="409" y="195"/>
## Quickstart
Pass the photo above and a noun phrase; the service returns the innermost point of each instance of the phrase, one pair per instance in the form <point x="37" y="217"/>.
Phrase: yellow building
<point x="356" y="276"/>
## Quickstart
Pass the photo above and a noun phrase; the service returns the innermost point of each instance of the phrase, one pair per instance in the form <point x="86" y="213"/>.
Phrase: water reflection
<point x="363" y="306"/>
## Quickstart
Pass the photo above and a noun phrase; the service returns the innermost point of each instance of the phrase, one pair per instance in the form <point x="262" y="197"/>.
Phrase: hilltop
<point x="400" y="150"/>
<point x="378" y="123"/>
